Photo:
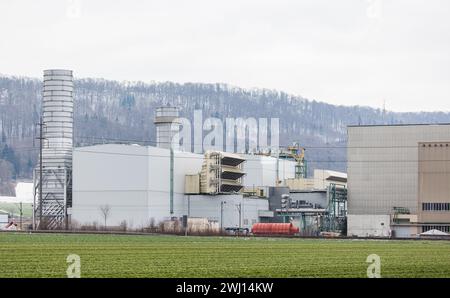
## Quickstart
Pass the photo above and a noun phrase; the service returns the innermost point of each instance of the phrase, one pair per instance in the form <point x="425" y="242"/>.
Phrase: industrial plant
<point x="397" y="185"/>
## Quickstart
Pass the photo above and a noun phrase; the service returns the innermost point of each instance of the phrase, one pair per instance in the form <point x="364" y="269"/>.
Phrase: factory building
<point x="138" y="186"/>
<point x="399" y="179"/>
<point x="135" y="182"/>
<point x="144" y="184"/>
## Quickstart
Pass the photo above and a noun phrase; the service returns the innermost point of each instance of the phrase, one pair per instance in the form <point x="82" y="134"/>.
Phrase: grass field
<point x="44" y="255"/>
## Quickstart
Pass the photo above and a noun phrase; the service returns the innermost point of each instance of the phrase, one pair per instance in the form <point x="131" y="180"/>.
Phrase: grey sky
<point x="343" y="52"/>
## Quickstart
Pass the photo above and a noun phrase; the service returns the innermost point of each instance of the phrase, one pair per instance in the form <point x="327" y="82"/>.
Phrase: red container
<point x="274" y="229"/>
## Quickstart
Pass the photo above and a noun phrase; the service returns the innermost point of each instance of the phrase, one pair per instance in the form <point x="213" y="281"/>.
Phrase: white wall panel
<point x="135" y="182"/>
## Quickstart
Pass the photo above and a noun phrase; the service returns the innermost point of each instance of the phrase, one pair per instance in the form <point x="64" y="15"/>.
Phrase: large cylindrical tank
<point x="274" y="229"/>
<point x="57" y="114"/>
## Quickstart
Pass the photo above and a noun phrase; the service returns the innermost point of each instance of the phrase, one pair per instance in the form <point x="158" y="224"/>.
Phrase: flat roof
<point x="408" y="124"/>
<point x="337" y="178"/>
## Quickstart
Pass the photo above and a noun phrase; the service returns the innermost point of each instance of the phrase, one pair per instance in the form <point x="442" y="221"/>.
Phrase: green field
<point x="44" y="255"/>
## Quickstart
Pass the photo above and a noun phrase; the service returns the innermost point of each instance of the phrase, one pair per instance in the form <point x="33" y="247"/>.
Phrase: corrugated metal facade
<point x="383" y="166"/>
<point x="383" y="173"/>
<point x="434" y="182"/>
<point x="135" y="181"/>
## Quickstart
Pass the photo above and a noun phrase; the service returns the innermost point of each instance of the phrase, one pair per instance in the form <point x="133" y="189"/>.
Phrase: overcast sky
<point x="349" y="52"/>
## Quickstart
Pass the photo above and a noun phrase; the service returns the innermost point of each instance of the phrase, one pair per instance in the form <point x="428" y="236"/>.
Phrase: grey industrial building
<point x="398" y="179"/>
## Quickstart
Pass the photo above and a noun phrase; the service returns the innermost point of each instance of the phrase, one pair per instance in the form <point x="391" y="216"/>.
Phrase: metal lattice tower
<point x="50" y="210"/>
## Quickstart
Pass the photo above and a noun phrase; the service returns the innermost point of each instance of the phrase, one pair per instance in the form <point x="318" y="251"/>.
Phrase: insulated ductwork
<point x="221" y="173"/>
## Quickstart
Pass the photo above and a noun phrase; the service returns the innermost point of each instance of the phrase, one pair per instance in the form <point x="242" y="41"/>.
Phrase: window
<point x="436" y="206"/>
<point x="445" y="229"/>
<point x="245" y="221"/>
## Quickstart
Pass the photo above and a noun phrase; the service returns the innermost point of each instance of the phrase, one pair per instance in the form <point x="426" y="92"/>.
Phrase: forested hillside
<point x="107" y="111"/>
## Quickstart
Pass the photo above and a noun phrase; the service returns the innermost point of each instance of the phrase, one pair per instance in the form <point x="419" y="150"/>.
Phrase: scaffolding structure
<point x="51" y="212"/>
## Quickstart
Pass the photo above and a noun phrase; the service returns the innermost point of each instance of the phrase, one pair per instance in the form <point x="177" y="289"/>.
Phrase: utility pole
<point x="171" y="179"/>
<point x="239" y="209"/>
<point x="277" y="183"/>
<point x="41" y="140"/>
<point x="185" y="224"/>
<point x="221" y="215"/>
<point x="188" y="215"/>
<point x="189" y="206"/>
<point x="20" y="215"/>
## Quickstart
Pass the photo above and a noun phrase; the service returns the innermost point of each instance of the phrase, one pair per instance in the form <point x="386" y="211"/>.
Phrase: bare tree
<point x="105" y="210"/>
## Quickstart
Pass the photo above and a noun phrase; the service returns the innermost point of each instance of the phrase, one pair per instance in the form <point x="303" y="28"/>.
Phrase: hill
<point x="107" y="111"/>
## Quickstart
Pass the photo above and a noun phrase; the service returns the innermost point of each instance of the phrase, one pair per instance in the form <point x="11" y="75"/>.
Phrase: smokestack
<point x="57" y="113"/>
<point x="50" y="210"/>
<point x="165" y="131"/>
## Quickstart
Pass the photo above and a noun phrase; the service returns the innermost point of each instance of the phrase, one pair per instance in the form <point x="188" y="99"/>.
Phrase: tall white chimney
<point x="166" y="126"/>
